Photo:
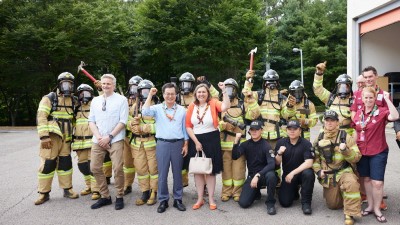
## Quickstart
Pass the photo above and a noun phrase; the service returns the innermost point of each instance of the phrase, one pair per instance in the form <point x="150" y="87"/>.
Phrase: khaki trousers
<point x="96" y="165"/>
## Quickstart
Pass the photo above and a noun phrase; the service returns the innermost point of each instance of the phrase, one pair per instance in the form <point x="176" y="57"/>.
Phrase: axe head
<point x="304" y="111"/>
<point x="253" y="51"/>
<point x="81" y="66"/>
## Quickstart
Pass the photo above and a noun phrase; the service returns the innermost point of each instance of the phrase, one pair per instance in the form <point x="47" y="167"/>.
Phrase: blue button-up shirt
<point x="165" y="128"/>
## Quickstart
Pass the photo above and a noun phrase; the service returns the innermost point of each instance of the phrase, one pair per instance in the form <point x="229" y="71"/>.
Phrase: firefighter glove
<point x="45" y="143"/>
<point x="97" y="84"/>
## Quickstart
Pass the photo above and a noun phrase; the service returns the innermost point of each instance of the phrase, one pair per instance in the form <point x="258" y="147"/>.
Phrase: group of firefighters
<point x="62" y="123"/>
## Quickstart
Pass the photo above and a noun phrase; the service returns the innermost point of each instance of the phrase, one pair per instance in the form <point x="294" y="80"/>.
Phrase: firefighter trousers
<point x="84" y="167"/>
<point x="145" y="163"/>
<point x="57" y="159"/>
<point x="233" y="175"/>
<point x="346" y="194"/>
<point x="129" y="169"/>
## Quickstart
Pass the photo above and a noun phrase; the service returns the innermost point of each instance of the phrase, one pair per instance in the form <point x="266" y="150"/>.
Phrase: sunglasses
<point x="104" y="105"/>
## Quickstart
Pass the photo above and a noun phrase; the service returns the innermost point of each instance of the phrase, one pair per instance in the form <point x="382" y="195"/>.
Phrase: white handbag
<point x="200" y="165"/>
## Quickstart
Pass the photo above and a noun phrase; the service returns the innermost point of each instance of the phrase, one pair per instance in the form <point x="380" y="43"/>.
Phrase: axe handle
<point x="88" y="75"/>
<point x="251" y="60"/>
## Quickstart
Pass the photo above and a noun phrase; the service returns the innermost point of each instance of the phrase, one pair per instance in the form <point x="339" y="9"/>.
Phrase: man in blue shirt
<point x="172" y="143"/>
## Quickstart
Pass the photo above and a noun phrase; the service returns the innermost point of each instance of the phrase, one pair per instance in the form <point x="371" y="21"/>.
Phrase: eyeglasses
<point x="169" y="94"/>
<point x="104" y="105"/>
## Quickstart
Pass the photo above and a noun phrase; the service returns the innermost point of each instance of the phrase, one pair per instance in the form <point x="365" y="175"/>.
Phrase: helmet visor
<point x="133" y="91"/>
<point x="144" y="93"/>
<point x="85" y="96"/>
<point x="186" y="86"/>
<point x="298" y="94"/>
<point x="66" y="87"/>
<point x="271" y="85"/>
<point x="343" y="90"/>
<point x="231" y="91"/>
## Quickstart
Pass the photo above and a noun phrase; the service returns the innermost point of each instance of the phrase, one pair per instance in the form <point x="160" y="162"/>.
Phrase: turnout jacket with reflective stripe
<point x="59" y="121"/>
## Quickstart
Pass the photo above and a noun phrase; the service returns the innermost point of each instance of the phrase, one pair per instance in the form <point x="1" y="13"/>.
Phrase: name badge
<point x="379" y="97"/>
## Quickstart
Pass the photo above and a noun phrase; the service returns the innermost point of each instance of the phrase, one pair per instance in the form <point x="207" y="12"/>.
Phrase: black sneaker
<point x="119" y="203"/>
<point x="306" y="207"/>
<point x="271" y="210"/>
<point x="101" y="202"/>
<point x="258" y="196"/>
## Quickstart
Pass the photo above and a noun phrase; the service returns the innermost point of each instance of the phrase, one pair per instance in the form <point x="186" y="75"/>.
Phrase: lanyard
<point x="170" y="117"/>
<point x="363" y="123"/>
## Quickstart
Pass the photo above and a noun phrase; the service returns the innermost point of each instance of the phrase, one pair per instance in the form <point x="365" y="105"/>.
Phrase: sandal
<point x="366" y="212"/>
<point x="381" y="218"/>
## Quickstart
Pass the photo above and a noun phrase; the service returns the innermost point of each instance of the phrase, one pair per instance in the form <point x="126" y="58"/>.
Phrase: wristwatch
<point x="110" y="136"/>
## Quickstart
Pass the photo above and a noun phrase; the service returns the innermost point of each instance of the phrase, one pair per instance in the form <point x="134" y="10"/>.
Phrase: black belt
<point x="81" y="137"/>
<point x="270" y="121"/>
<point x="169" y="140"/>
<point x="142" y="135"/>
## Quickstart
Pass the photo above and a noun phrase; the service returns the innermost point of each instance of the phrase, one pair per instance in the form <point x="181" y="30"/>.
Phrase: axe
<point x="251" y="53"/>
<point x="80" y="68"/>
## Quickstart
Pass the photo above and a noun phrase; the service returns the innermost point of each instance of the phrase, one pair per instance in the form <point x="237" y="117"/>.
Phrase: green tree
<point x="318" y="28"/>
<point x="41" y="39"/>
<point x="209" y="37"/>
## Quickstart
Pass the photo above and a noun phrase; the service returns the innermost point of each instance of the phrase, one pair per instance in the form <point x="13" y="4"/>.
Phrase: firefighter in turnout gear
<point x="336" y="153"/>
<point x="187" y="83"/>
<point x="231" y="122"/>
<point x="129" y="169"/>
<point x="143" y="148"/>
<point x="299" y="107"/>
<point x="54" y="124"/>
<point x="270" y="102"/>
<point x="339" y="100"/>
<point x="82" y="139"/>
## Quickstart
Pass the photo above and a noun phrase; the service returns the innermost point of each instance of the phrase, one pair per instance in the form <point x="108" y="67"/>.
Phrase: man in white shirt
<point x="107" y="120"/>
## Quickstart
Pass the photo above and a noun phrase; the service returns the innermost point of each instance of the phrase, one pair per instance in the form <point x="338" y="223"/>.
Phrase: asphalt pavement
<point x="19" y="161"/>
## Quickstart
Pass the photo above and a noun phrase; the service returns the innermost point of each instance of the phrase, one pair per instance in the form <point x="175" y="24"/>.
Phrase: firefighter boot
<point x="153" y="198"/>
<point x="86" y="191"/>
<point x="69" y="193"/>
<point x="128" y="190"/>
<point x="348" y="220"/>
<point x="95" y="195"/>
<point x="142" y="200"/>
<point x="42" y="198"/>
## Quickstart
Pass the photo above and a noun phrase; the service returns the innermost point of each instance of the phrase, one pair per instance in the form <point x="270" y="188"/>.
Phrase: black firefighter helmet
<point x="186" y="83"/>
<point x="271" y="79"/>
<point x="66" y="83"/>
<point x="231" y="88"/>
<point x="296" y="89"/>
<point x="133" y="86"/>
<point x="143" y="88"/>
<point x="343" y="86"/>
<point x="85" y="93"/>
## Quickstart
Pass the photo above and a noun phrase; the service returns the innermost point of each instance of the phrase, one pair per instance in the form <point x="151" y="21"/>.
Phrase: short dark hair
<point x="370" y="68"/>
<point x="169" y="85"/>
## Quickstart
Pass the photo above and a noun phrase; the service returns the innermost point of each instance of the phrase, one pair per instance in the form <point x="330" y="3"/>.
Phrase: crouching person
<point x="294" y="152"/>
<point x="335" y="155"/>
<point x="260" y="166"/>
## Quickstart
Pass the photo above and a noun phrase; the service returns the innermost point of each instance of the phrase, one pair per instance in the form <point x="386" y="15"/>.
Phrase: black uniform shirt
<point x="259" y="156"/>
<point x="294" y="155"/>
